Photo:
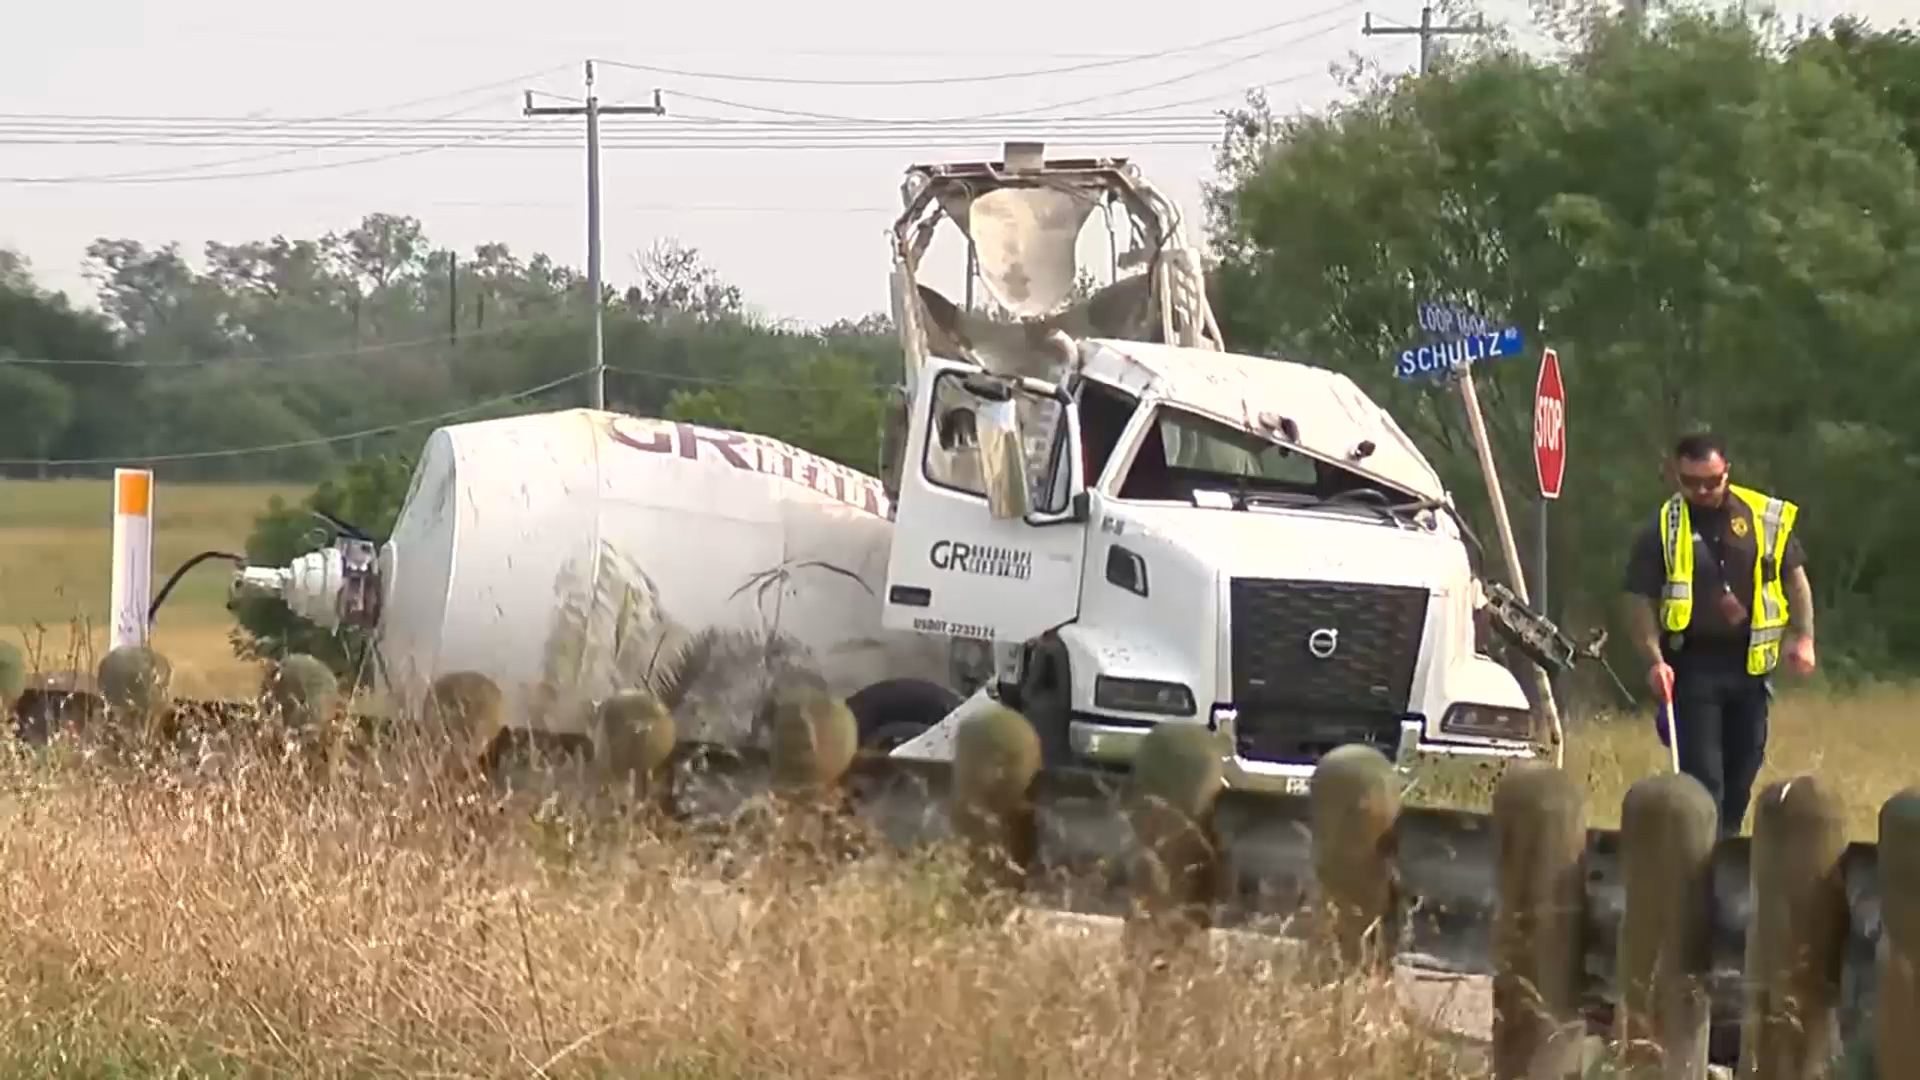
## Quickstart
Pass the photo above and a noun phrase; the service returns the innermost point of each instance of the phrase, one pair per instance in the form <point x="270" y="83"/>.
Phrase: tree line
<point x="1713" y="217"/>
<point x="296" y="342"/>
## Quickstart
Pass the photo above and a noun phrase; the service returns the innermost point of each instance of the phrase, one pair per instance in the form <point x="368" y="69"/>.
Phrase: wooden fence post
<point x="13" y="679"/>
<point x="1178" y="772"/>
<point x="1540" y="829"/>
<point x="813" y="739"/>
<point x="1797" y="936"/>
<point x="996" y="755"/>
<point x="1896" y="1007"/>
<point x="466" y="711"/>
<point x="633" y="738"/>
<point x="1668" y="826"/>
<point x="1355" y="801"/>
<point x="137" y="685"/>
<point x="301" y="692"/>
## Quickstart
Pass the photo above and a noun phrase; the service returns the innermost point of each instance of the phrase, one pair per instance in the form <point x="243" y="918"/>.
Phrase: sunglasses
<point x="1703" y="483"/>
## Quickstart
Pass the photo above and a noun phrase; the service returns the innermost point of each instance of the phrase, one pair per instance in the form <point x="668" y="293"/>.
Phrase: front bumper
<point x="1114" y="744"/>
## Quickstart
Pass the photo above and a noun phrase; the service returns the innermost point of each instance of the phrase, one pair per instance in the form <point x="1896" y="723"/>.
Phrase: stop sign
<point x="1550" y="426"/>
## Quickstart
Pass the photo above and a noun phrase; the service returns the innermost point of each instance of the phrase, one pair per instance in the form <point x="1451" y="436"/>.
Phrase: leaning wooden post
<point x="1797" y="937"/>
<point x="996" y="755"/>
<point x="1896" y="1010"/>
<point x="1668" y="826"/>
<point x="1355" y="802"/>
<point x="1178" y="772"/>
<point x="1540" y="829"/>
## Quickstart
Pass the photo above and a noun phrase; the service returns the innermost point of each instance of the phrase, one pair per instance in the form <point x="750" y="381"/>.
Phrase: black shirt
<point x="1725" y="545"/>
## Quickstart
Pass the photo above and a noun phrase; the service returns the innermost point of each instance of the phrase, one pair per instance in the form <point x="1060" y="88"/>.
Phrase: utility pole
<point x="1427" y="32"/>
<point x="593" y="111"/>
<point x="453" y="298"/>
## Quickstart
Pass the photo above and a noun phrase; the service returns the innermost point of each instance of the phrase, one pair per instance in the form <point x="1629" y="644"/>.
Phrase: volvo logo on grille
<point x="1323" y="642"/>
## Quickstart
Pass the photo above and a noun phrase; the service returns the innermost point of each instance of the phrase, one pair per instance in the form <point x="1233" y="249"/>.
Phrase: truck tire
<point x="898" y="710"/>
<point x="1046" y="699"/>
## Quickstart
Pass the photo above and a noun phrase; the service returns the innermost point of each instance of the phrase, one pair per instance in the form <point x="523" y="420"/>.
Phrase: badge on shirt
<point x="1740" y="527"/>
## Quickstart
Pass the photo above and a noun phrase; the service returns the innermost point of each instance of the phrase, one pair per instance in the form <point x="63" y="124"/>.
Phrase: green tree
<point x="95" y="404"/>
<point x="1708" y="229"/>
<point x="1884" y="63"/>
<point x="830" y="404"/>
<point x="34" y="409"/>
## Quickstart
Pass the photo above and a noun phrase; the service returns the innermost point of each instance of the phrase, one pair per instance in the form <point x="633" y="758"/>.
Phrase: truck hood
<point x="1307" y="544"/>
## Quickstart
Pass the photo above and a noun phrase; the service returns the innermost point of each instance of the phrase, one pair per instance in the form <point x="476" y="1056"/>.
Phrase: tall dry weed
<point x="249" y="916"/>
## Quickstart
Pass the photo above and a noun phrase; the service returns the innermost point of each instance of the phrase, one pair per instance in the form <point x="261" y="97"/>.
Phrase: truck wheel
<point x="899" y="710"/>
<point x="1046" y="700"/>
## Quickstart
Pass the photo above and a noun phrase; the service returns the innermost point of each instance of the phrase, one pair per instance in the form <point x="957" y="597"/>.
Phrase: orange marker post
<point x="132" y="556"/>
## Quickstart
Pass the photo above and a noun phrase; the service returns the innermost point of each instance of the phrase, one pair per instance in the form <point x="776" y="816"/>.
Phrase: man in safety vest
<point x="1719" y="587"/>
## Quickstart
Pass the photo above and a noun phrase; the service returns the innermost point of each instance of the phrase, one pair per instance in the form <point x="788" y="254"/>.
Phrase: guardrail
<point x="1776" y="950"/>
<point x="1651" y="932"/>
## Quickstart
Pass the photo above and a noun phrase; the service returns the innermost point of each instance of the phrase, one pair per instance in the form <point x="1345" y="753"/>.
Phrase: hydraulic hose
<point x="160" y="597"/>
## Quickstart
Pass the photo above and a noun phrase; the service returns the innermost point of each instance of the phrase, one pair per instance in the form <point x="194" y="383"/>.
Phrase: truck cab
<point x="1149" y="529"/>
<point x="1245" y="543"/>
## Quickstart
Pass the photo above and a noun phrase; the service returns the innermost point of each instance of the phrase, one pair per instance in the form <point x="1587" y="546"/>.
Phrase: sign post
<point x="1458" y="340"/>
<point x="1549" y="452"/>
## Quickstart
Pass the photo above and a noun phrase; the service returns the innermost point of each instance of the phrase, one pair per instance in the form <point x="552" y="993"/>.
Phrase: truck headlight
<point x="1142" y="696"/>
<point x="1487" y="721"/>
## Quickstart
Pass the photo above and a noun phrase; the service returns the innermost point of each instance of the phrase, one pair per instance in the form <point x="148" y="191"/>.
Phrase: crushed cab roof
<point x="1332" y="413"/>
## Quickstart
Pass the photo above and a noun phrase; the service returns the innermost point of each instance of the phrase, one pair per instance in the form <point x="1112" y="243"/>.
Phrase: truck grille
<point x="1294" y="705"/>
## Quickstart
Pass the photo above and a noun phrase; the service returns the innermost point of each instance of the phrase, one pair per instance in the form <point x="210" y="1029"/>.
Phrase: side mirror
<point x="1003" y="460"/>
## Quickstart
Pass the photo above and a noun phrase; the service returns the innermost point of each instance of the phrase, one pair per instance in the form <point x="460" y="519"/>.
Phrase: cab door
<point x="1005" y="568"/>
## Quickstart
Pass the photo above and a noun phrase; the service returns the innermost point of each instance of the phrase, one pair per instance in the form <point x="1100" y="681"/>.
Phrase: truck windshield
<point x="1196" y="444"/>
<point x="1183" y="451"/>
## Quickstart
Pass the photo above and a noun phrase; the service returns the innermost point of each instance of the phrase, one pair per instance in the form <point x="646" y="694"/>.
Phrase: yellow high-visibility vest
<point x="1772" y="520"/>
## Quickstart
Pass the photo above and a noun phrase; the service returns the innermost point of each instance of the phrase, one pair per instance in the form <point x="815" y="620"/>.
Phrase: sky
<point x="421" y="104"/>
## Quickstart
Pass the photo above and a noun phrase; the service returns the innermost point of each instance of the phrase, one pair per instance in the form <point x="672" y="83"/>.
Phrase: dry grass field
<point x="389" y="920"/>
<point x="245" y="923"/>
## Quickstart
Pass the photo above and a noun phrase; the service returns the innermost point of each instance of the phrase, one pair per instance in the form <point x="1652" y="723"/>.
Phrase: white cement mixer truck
<point x="1143" y="527"/>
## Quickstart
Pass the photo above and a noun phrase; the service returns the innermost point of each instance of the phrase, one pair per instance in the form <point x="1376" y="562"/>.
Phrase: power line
<point x="299" y="444"/>
<point x="793" y="140"/>
<point x="136" y="174"/>
<point x="712" y="133"/>
<point x="1001" y="76"/>
<point x="1036" y="114"/>
<point x="408" y="205"/>
<point x="240" y="128"/>
<point x="516" y="133"/>
<point x="187" y="174"/>
<point x="100" y="130"/>
<point x="440" y="418"/>
<point x="1243" y="91"/>
<point x="378" y="348"/>
<point x="923" y="144"/>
